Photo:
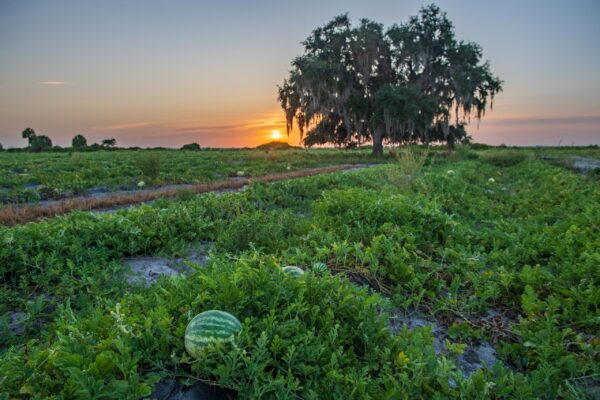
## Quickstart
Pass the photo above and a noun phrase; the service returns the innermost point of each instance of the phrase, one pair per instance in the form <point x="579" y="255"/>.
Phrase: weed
<point x="149" y="164"/>
<point x="409" y="161"/>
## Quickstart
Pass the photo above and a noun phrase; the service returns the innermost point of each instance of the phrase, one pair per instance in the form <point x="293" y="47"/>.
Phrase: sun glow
<point x="275" y="134"/>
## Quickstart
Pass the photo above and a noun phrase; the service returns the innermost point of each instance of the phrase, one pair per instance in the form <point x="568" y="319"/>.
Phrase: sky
<point x="165" y="73"/>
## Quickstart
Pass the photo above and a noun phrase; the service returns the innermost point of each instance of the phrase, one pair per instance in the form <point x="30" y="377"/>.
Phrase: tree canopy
<point x="191" y="147"/>
<point x="35" y="142"/>
<point x="112" y="142"/>
<point x="79" y="141"/>
<point x="40" y="143"/>
<point x="414" y="82"/>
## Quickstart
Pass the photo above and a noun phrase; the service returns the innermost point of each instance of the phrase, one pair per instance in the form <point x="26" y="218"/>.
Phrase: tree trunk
<point x="378" y="142"/>
<point x="450" y="142"/>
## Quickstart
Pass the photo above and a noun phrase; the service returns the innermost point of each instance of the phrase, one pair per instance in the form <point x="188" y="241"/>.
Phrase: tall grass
<point x="409" y="161"/>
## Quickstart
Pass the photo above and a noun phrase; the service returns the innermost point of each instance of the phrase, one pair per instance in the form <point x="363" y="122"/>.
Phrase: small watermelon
<point x="293" y="270"/>
<point x="209" y="327"/>
<point x="320" y="268"/>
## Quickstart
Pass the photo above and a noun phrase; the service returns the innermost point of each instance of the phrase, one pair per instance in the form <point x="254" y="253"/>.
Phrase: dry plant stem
<point x="14" y="215"/>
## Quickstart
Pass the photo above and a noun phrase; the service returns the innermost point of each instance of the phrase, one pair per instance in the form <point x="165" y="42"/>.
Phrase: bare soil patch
<point x="476" y="355"/>
<point x="145" y="270"/>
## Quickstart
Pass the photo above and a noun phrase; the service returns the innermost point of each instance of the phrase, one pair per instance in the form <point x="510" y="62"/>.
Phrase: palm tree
<point x="28" y="134"/>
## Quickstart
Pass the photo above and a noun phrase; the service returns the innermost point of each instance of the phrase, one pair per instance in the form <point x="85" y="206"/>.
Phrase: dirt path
<point x="19" y="214"/>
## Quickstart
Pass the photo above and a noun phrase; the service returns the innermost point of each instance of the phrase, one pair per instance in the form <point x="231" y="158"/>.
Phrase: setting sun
<point x="275" y="134"/>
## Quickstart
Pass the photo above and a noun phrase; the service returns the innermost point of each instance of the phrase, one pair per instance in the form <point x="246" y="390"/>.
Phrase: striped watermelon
<point x="320" y="268"/>
<point x="293" y="270"/>
<point x="210" y="327"/>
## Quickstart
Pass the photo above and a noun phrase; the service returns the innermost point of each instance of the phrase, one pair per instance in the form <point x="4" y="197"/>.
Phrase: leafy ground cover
<point x="455" y="239"/>
<point x="27" y="177"/>
<point x="15" y="214"/>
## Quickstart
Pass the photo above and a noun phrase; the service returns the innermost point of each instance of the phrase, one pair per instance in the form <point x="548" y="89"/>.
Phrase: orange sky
<point x="221" y="133"/>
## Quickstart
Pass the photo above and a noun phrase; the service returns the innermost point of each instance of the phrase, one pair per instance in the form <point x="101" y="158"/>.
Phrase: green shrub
<point x="149" y="164"/>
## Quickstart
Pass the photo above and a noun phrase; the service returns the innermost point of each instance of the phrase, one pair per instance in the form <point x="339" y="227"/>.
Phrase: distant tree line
<point x="39" y="143"/>
<point x="414" y="82"/>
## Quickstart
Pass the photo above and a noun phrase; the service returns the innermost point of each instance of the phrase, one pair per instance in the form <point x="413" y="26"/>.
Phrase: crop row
<point x="29" y="177"/>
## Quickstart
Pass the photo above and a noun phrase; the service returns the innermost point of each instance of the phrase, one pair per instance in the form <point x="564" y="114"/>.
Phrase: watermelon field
<point x="470" y="275"/>
<point x="33" y="177"/>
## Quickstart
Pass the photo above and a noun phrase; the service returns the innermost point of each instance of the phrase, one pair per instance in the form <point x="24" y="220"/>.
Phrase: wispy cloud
<point x="252" y="125"/>
<point x="266" y="124"/>
<point x="129" y="125"/>
<point x="208" y="128"/>
<point x="55" y="83"/>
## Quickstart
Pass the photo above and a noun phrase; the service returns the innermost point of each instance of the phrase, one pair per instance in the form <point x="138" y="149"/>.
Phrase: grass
<point x="410" y="161"/>
<point x="452" y="238"/>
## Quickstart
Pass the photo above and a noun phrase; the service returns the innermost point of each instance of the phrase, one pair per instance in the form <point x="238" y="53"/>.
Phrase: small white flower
<point x="141" y="184"/>
<point x="491" y="180"/>
<point x="450" y="172"/>
<point x="289" y="168"/>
